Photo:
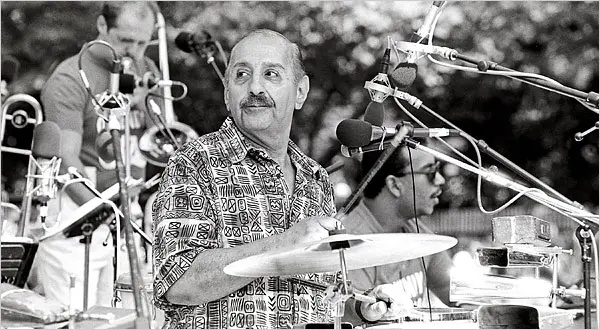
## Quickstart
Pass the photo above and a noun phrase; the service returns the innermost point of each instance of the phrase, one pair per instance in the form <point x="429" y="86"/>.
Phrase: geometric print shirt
<point x="219" y="192"/>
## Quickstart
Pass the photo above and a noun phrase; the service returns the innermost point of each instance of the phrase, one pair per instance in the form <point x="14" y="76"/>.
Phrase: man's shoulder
<point x="67" y="67"/>
<point x="205" y="146"/>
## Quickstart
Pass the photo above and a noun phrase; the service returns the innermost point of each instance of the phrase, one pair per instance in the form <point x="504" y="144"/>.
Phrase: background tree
<point x="342" y="43"/>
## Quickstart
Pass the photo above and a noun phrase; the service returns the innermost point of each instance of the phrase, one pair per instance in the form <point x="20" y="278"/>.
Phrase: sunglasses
<point x="431" y="172"/>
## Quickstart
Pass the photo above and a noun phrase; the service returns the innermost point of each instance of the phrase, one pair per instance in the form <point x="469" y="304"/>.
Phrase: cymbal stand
<point x="584" y="235"/>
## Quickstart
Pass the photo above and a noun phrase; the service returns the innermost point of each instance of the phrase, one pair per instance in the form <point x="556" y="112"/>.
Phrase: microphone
<point x="129" y="82"/>
<point x="388" y="91"/>
<point x="374" y="113"/>
<point x="188" y="42"/>
<point x="351" y="151"/>
<point x="115" y="69"/>
<point x="405" y="73"/>
<point x="381" y="79"/>
<point x="358" y="133"/>
<point x="425" y="28"/>
<point x="445" y="52"/>
<point x="44" y="151"/>
<point x="9" y="68"/>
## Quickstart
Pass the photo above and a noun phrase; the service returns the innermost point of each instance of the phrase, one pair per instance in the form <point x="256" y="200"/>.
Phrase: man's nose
<point x="439" y="179"/>
<point x="256" y="85"/>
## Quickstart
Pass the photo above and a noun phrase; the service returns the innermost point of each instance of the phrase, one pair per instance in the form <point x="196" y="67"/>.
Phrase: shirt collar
<point x="238" y="148"/>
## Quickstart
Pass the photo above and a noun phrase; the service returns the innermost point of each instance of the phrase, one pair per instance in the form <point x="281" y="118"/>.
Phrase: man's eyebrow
<point x="274" y="65"/>
<point x="238" y="64"/>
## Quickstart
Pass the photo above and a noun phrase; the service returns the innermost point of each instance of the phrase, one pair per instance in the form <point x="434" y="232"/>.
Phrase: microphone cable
<point x="414" y="192"/>
<point x="161" y="124"/>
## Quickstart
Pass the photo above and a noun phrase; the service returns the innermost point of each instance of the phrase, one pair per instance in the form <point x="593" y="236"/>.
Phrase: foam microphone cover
<point x="126" y="83"/>
<point x="404" y="75"/>
<point x="9" y="67"/>
<point x="46" y="140"/>
<point x="374" y="113"/>
<point x="104" y="146"/>
<point x="354" y="133"/>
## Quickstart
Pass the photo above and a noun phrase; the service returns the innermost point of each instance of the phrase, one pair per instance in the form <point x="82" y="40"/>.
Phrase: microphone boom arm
<point x="537" y="195"/>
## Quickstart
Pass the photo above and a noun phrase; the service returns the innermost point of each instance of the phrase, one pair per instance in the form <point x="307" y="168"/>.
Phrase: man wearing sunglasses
<point x="388" y="206"/>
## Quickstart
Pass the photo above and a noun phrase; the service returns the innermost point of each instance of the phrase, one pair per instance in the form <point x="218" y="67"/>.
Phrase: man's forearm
<point x="78" y="192"/>
<point x="205" y="280"/>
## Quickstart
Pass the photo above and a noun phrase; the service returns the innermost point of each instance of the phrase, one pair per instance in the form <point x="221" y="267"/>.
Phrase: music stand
<point x="17" y="258"/>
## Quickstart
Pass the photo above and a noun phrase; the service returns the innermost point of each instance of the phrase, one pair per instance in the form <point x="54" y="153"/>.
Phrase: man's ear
<point x="101" y="25"/>
<point x="302" y="92"/>
<point x="226" y="98"/>
<point x="393" y="186"/>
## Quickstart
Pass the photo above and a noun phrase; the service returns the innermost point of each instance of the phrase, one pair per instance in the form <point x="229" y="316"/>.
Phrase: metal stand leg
<point x="584" y="235"/>
<point x="88" y="230"/>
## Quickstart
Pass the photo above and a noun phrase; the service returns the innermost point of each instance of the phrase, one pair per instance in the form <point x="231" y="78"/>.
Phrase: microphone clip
<point x="379" y="87"/>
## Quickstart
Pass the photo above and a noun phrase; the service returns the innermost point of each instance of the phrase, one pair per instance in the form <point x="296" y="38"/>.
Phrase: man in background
<point x="128" y="28"/>
<point x="406" y="187"/>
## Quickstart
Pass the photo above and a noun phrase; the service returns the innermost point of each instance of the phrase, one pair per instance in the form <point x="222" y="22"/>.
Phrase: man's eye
<point x="271" y="73"/>
<point x="241" y="74"/>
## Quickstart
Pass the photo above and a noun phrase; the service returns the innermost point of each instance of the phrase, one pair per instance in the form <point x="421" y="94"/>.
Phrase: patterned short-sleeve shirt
<point x="220" y="192"/>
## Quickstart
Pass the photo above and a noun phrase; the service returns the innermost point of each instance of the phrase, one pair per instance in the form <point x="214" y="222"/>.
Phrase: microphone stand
<point x="483" y="65"/>
<point x="502" y="181"/>
<point x="114" y="126"/>
<point x="584" y="235"/>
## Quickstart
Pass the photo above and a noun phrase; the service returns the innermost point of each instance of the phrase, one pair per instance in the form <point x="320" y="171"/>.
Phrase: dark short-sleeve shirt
<point x="220" y="192"/>
<point x="409" y="274"/>
<point x="67" y="103"/>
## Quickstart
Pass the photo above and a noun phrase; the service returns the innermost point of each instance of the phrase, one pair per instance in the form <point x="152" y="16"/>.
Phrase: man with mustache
<point x="397" y="195"/>
<point x="241" y="191"/>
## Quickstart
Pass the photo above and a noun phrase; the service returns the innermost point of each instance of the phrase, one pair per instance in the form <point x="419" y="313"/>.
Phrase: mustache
<point x="260" y="100"/>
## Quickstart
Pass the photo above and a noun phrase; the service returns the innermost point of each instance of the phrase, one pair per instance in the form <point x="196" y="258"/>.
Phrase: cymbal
<point x="319" y="257"/>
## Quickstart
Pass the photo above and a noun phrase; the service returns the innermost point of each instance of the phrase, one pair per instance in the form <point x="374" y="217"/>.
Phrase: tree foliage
<point x="342" y="43"/>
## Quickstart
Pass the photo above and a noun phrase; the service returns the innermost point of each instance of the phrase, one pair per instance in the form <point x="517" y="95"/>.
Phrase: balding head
<point x="293" y="51"/>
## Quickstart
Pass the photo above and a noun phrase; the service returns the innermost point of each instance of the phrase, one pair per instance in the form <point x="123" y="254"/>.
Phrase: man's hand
<point x="395" y="304"/>
<point x="312" y="229"/>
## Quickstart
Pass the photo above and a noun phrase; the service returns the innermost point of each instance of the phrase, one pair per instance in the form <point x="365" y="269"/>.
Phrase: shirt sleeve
<point x="184" y="220"/>
<point x="64" y="99"/>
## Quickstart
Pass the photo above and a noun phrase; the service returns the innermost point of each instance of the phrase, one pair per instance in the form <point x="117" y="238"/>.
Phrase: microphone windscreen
<point x="354" y="133"/>
<point x="10" y="67"/>
<point x="374" y="113"/>
<point x="126" y="83"/>
<point x="46" y="140"/>
<point x="186" y="40"/>
<point x="404" y="75"/>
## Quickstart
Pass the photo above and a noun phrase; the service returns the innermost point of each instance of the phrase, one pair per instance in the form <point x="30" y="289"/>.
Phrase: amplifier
<point x="521" y="229"/>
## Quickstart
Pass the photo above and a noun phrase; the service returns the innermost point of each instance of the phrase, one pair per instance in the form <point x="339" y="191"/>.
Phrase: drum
<point x="124" y="297"/>
<point x="440" y="318"/>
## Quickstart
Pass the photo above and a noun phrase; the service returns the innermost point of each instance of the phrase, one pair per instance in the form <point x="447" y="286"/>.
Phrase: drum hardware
<point x="340" y="252"/>
<point x="123" y="297"/>
<point x="19" y="118"/>
<point x="585" y="236"/>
